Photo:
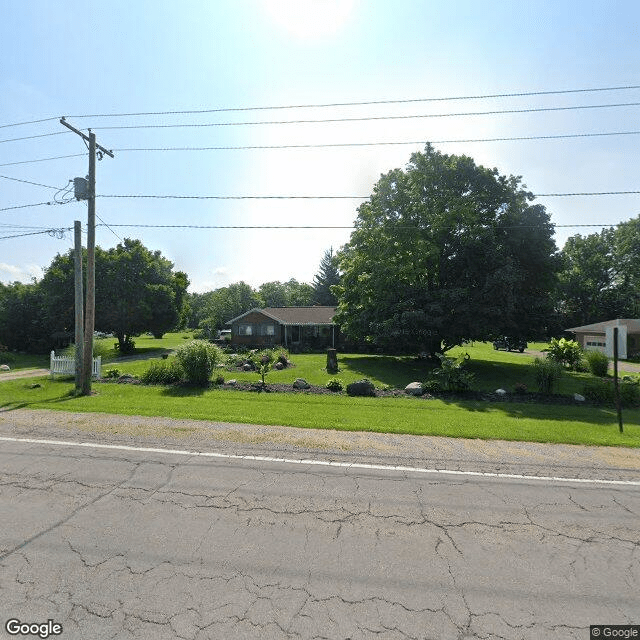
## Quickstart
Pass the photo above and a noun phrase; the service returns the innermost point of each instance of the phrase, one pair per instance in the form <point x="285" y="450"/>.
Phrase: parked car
<point x="510" y="344"/>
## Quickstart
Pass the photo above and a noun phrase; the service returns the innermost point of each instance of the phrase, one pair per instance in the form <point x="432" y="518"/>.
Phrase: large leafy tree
<point x="327" y="277"/>
<point x="444" y="251"/>
<point x="600" y="276"/>
<point x="136" y="291"/>
<point x="285" y="294"/>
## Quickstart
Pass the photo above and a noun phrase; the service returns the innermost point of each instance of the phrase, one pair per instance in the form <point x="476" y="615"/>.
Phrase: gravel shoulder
<point x="457" y="454"/>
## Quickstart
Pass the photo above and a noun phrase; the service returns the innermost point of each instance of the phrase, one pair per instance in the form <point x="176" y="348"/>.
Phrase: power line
<point x="336" y="197"/>
<point x="368" y="118"/>
<point x="37" y="204"/>
<point x="363" y="103"/>
<point x="19" y="124"/>
<point x="54" y="233"/>
<point x="104" y="224"/>
<point x="73" y="155"/>
<point x="195" y="226"/>
<point x="37" y="184"/>
<point x="373" y="144"/>
<point x="40" y="135"/>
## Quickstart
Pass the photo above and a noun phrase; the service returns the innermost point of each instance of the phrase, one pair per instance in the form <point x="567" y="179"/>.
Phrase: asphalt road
<point x="123" y="543"/>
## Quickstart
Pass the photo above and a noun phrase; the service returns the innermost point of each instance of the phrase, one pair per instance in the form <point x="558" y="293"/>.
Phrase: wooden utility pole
<point x="90" y="307"/>
<point x="79" y="309"/>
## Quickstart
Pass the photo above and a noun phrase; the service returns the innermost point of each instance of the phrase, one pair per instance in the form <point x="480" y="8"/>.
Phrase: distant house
<point x="599" y="337"/>
<point x="287" y="326"/>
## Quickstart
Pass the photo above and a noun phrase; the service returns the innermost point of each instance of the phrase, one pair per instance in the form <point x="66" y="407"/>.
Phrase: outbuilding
<point x="599" y="337"/>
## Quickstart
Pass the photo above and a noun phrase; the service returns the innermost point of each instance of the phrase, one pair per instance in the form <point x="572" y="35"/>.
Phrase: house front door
<point x="295" y="334"/>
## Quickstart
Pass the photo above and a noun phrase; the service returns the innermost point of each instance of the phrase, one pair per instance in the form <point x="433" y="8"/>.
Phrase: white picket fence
<point x="66" y="366"/>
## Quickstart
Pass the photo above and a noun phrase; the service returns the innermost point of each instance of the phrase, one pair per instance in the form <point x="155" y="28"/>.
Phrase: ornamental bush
<point x="451" y="375"/>
<point x="198" y="359"/>
<point x="335" y="384"/>
<point x="162" y="372"/>
<point x="566" y="352"/>
<point x="598" y="363"/>
<point x="547" y="374"/>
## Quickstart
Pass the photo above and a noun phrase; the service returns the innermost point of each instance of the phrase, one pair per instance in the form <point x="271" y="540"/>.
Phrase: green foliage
<point x="565" y="352"/>
<point x="126" y="346"/>
<point x="112" y="374"/>
<point x="327" y="277"/>
<point x="219" y="379"/>
<point x="285" y="294"/>
<point x="602" y="391"/>
<point x="547" y="374"/>
<point x="198" y="359"/>
<point x="335" y="384"/>
<point x="162" y="372"/>
<point x="451" y="375"/>
<point x="263" y="361"/>
<point x="446" y="250"/>
<point x="597" y="362"/>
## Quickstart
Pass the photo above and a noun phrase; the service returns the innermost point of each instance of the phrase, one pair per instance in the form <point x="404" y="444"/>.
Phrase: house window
<point x="245" y="329"/>
<point x="594" y="341"/>
<point x="268" y="330"/>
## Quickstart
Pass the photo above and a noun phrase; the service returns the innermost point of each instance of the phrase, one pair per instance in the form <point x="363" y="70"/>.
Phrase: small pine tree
<point x="326" y="277"/>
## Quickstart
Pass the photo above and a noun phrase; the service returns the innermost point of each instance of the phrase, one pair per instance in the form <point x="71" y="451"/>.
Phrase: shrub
<point x="520" y="388"/>
<point x="565" y="352"/>
<point x="262" y="362"/>
<point x="602" y="391"/>
<point x="162" y="372"/>
<point x="598" y="363"/>
<point x="127" y="347"/>
<point x="112" y="374"/>
<point x="198" y="359"/>
<point x="451" y="375"/>
<point x="335" y="384"/>
<point x="547" y="374"/>
<point x="219" y="379"/>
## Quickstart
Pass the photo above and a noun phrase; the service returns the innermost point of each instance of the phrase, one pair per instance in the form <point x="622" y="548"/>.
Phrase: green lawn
<point x="459" y="418"/>
<point x="469" y="419"/>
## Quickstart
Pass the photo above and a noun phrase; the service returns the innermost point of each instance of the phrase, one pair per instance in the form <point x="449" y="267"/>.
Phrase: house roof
<point x="632" y="324"/>
<point x="295" y="315"/>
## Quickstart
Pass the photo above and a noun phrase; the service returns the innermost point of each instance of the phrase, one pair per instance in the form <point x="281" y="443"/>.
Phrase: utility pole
<point x="79" y="311"/>
<point x="90" y="307"/>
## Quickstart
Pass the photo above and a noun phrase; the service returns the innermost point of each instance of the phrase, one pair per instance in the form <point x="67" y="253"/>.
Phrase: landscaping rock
<point x="247" y="367"/>
<point x="5" y="367"/>
<point x="35" y="385"/>
<point x="301" y="383"/>
<point x="501" y="392"/>
<point x="279" y="366"/>
<point x="578" y="398"/>
<point x="414" y="388"/>
<point x="232" y="382"/>
<point x="361" y="388"/>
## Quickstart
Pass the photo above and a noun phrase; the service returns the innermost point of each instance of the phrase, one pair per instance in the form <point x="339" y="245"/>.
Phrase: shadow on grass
<point x="391" y="370"/>
<point x="22" y="404"/>
<point x="183" y="391"/>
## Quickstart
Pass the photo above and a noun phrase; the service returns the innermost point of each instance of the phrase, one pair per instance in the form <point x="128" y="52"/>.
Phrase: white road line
<point x="322" y="463"/>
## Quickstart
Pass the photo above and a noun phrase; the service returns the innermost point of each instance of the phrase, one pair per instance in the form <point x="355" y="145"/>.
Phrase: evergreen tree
<point x="326" y="277"/>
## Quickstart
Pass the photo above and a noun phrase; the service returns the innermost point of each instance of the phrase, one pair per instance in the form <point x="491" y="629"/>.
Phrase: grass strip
<point x="530" y="422"/>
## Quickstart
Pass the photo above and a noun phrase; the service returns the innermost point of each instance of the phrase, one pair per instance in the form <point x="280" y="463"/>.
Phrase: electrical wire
<point x="26" y="206"/>
<point x="338" y="197"/>
<point x="73" y="155"/>
<point x="363" y="103"/>
<point x="54" y="233"/>
<point x="41" y="135"/>
<point x="37" y="184"/>
<point x="373" y="144"/>
<point x="19" y="124"/>
<point x="104" y="224"/>
<point x="366" y="118"/>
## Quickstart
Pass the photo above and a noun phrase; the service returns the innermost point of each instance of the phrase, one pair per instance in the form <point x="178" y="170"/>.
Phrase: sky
<point x="257" y="61"/>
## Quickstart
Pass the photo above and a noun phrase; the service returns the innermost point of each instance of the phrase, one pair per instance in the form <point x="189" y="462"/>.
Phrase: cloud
<point x="25" y="273"/>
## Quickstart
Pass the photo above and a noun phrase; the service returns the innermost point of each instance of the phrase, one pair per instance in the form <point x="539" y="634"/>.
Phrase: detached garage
<point x="599" y="337"/>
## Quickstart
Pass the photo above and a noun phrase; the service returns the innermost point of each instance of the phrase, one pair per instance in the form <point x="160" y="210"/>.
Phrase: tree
<point x="136" y="291"/>
<point x="444" y="251"/>
<point x="327" y="277"/>
<point x="21" y="323"/>
<point x="600" y="276"/>
<point x="285" y="294"/>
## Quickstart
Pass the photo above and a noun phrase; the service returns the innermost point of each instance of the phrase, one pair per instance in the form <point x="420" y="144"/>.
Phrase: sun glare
<point x="309" y="19"/>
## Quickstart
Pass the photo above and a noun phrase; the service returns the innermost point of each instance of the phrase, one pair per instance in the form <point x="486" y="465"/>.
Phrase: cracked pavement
<point x="129" y="544"/>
